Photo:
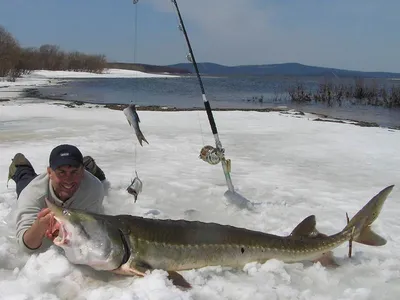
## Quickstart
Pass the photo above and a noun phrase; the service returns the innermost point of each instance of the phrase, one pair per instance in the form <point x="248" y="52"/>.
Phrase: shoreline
<point x="320" y="117"/>
<point x="26" y="89"/>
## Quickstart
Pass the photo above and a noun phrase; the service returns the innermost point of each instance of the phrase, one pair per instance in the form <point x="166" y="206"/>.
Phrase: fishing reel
<point x="213" y="156"/>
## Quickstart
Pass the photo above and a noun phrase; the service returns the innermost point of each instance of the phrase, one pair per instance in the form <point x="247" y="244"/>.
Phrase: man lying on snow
<point x="71" y="181"/>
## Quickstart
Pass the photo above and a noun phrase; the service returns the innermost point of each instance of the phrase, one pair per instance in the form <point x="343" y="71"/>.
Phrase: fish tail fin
<point x="362" y="221"/>
<point x="142" y="139"/>
<point x="368" y="237"/>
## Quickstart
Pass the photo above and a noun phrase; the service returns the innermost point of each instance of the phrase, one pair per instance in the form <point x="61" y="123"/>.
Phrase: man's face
<point x="65" y="180"/>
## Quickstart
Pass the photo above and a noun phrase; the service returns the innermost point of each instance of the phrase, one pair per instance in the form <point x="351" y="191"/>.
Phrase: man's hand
<point x="52" y="231"/>
<point x="45" y="220"/>
<point x="45" y="225"/>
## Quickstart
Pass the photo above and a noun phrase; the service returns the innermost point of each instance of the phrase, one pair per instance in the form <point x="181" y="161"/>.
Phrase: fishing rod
<point x="208" y="153"/>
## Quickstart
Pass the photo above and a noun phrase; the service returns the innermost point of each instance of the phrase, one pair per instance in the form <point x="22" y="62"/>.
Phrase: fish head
<point x="88" y="239"/>
<point x="135" y="188"/>
<point x="128" y="115"/>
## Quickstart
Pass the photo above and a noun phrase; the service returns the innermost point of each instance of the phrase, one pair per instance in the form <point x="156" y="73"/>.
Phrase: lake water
<point x="222" y="92"/>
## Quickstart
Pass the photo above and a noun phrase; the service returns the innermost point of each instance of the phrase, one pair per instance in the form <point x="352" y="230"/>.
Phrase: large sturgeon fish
<point x="132" y="245"/>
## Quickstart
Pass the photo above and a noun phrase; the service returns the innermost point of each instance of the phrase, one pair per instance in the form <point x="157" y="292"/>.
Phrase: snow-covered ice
<point x="108" y="73"/>
<point x="10" y="90"/>
<point x="287" y="165"/>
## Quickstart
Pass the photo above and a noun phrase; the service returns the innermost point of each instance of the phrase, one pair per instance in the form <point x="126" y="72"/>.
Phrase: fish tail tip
<point x="390" y="187"/>
<point x="366" y="216"/>
<point x="143" y="139"/>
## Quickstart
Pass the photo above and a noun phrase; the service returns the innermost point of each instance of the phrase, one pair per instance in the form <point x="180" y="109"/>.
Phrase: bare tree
<point x="50" y="57"/>
<point x="9" y="53"/>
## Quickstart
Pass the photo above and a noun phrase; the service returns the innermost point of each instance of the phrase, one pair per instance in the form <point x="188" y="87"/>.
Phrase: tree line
<point x="16" y="61"/>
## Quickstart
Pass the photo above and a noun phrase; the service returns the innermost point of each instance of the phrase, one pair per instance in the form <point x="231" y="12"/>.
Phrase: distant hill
<point x="284" y="69"/>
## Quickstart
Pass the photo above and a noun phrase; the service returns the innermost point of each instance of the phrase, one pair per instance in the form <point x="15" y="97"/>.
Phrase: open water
<point x="222" y="92"/>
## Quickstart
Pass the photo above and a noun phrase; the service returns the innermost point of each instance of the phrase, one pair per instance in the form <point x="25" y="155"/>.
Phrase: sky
<point x="288" y="166"/>
<point x="356" y="35"/>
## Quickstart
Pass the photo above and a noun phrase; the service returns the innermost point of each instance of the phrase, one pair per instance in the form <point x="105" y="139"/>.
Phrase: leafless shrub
<point x="394" y="97"/>
<point x="298" y="94"/>
<point x="361" y="93"/>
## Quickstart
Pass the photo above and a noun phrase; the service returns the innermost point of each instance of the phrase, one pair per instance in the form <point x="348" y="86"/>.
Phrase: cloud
<point x="338" y="34"/>
<point x="223" y="29"/>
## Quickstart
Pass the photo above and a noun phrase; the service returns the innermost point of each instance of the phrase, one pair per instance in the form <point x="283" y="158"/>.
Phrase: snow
<point x="287" y="165"/>
<point x="10" y="90"/>
<point x="108" y="73"/>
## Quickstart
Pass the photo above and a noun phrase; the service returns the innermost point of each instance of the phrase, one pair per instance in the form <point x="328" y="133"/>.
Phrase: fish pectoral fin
<point x="132" y="268"/>
<point x="178" y="280"/>
<point x="370" y="238"/>
<point x="140" y="268"/>
<point x="128" y="271"/>
<point x="327" y="260"/>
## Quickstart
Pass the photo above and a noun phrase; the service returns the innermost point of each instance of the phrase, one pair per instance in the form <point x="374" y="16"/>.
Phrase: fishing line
<point x="135" y="33"/>
<point x="183" y="45"/>
<point x="135" y="19"/>
<point x="210" y="154"/>
<point x="201" y="129"/>
<point x="218" y="152"/>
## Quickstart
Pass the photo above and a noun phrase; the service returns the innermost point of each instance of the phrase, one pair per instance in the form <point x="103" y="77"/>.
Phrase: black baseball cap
<point x="65" y="155"/>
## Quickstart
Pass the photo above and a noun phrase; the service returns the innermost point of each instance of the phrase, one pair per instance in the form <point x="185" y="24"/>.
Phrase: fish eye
<point x="65" y="212"/>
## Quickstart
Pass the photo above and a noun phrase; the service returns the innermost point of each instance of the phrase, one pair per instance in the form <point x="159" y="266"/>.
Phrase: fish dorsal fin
<point x="306" y="228"/>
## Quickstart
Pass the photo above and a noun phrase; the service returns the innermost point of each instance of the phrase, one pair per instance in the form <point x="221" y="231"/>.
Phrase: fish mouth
<point x="62" y="238"/>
